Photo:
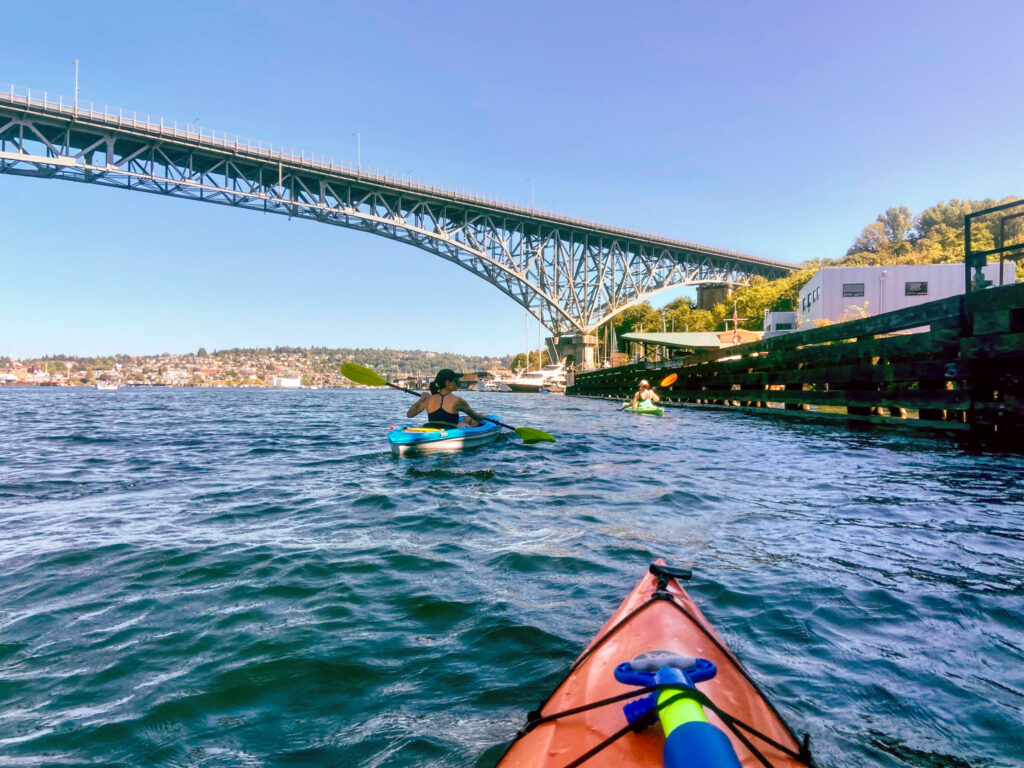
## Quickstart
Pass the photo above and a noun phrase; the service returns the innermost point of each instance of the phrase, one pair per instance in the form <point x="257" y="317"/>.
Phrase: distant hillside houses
<point x="284" y="367"/>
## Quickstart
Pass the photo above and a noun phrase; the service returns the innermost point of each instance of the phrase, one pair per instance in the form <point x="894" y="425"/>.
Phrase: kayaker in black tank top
<point x="443" y="407"/>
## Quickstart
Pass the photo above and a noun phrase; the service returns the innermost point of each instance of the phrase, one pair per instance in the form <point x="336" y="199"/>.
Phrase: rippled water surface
<point x="248" y="578"/>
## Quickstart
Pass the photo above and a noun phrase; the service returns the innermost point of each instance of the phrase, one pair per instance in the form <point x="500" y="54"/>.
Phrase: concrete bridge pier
<point x="714" y="293"/>
<point x="582" y="347"/>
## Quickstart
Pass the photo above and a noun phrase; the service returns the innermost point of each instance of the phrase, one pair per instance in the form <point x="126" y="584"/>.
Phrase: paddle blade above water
<point x="362" y="375"/>
<point x="669" y="380"/>
<point x="531" y="435"/>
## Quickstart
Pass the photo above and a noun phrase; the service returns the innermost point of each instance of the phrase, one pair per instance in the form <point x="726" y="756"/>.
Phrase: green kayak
<point x="647" y="408"/>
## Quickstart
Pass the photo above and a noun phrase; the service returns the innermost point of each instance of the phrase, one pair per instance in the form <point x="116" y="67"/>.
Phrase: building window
<point x="916" y="289"/>
<point x="853" y="289"/>
<point x="784" y="327"/>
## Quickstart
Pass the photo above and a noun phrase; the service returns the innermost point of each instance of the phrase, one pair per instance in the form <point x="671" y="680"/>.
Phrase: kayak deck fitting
<point x="431" y="438"/>
<point x="725" y="721"/>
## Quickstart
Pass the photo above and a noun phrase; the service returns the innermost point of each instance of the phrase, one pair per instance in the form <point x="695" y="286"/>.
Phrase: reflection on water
<point x="222" y="578"/>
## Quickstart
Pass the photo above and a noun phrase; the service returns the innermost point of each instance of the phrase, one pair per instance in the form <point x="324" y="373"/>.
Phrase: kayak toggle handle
<point x="665" y="572"/>
<point x="690" y="740"/>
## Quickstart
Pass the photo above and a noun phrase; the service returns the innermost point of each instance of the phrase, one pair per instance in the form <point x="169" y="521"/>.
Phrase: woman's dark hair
<point x="443" y="377"/>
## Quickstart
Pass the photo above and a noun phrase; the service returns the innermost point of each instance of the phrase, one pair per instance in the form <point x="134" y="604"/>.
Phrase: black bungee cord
<point x="661" y="593"/>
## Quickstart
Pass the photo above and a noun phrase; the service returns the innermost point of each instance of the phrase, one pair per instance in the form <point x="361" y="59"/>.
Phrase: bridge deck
<point x="571" y="274"/>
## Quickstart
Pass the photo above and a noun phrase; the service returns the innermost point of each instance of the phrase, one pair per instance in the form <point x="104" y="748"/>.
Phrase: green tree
<point x="760" y="295"/>
<point x="639" y="316"/>
<point x="898" y="224"/>
<point x="682" y="315"/>
<point x="870" y="239"/>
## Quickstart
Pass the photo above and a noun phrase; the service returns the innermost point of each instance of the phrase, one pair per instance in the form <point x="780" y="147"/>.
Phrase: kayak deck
<point x="642" y="624"/>
<point x="419" y="439"/>
<point x="647" y="410"/>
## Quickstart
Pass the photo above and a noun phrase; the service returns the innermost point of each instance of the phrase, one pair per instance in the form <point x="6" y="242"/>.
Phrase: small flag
<point x="735" y="325"/>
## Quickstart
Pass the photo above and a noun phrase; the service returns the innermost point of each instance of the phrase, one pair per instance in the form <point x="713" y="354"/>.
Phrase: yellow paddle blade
<point x="669" y="380"/>
<point x="362" y="375"/>
<point x="531" y="436"/>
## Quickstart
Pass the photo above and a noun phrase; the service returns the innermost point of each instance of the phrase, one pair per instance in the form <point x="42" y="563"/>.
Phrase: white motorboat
<point x="550" y="377"/>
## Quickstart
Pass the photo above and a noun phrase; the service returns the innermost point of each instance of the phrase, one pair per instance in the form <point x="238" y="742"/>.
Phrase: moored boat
<point x="550" y="377"/>
<point x="439" y="438"/>
<point x="657" y="658"/>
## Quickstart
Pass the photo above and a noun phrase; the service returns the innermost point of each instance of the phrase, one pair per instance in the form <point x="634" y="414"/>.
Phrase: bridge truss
<point x="571" y="275"/>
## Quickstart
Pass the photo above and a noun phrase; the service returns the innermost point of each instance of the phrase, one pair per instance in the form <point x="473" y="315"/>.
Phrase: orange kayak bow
<point x="657" y="659"/>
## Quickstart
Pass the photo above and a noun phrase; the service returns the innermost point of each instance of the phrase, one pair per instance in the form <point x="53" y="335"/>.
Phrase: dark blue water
<point x="248" y="578"/>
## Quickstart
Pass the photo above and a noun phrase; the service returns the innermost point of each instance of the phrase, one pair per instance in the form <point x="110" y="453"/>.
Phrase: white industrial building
<point x="838" y="294"/>
<point x="778" y="323"/>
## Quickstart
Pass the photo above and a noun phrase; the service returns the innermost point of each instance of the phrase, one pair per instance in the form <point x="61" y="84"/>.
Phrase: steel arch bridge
<point x="571" y="275"/>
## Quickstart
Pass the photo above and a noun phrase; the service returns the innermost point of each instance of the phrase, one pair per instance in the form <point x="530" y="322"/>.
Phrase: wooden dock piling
<point x="955" y="364"/>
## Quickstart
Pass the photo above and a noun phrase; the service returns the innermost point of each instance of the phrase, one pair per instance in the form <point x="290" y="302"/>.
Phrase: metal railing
<point x="191" y="132"/>
<point x="978" y="259"/>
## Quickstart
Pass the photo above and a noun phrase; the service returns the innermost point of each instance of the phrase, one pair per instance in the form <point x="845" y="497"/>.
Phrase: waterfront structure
<point x="839" y="294"/>
<point x="776" y="323"/>
<point x="665" y="346"/>
<point x="952" y="364"/>
<point x="571" y="275"/>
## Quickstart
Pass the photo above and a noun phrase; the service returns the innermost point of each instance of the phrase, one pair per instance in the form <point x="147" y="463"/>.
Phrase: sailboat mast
<point x="540" y="356"/>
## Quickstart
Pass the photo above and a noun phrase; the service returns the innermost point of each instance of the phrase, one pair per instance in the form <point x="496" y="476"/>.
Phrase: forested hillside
<point x="934" y="236"/>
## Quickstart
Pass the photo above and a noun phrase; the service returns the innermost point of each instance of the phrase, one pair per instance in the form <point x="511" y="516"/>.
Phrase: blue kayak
<point x="437" y="439"/>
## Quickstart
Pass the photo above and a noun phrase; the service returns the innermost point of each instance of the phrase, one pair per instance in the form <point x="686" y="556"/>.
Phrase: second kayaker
<point x="646" y="392"/>
<point x="442" y="406"/>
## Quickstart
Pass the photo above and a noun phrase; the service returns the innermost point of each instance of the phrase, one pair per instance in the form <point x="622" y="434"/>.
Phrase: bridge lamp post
<point x="76" y="85"/>
<point x="359" y="151"/>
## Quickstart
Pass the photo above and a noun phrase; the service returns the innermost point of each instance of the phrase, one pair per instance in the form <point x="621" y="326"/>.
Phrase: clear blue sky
<point x="777" y="129"/>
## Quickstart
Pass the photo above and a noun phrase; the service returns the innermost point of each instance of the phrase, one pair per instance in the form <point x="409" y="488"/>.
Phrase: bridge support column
<point x="582" y="347"/>
<point x="709" y="295"/>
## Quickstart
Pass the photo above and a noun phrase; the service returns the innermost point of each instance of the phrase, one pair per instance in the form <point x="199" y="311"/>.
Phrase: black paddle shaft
<point x="404" y="389"/>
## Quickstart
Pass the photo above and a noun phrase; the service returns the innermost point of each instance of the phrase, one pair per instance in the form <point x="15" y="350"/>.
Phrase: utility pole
<point x="76" y="86"/>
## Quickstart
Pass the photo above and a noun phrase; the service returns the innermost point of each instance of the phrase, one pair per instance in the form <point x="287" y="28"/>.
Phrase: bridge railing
<point x="190" y="132"/>
<point x="223" y="140"/>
